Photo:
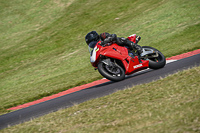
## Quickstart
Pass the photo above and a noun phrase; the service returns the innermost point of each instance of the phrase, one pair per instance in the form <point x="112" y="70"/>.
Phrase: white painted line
<point x="169" y="61"/>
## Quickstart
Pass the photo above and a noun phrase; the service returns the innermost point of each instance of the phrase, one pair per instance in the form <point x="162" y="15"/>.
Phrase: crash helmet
<point x="91" y="36"/>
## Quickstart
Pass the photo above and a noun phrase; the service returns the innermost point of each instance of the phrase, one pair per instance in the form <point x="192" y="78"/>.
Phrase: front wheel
<point x="155" y="61"/>
<point x="112" y="71"/>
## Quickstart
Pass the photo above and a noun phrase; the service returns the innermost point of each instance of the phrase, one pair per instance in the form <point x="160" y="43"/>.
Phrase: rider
<point x="106" y="38"/>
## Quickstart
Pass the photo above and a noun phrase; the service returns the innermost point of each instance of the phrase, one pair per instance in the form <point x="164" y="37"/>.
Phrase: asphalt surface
<point x="107" y="88"/>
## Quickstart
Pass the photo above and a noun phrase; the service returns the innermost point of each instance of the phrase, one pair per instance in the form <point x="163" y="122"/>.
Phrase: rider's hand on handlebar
<point x="102" y="44"/>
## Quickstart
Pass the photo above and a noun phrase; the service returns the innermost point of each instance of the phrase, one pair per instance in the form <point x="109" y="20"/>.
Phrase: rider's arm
<point x="107" y="38"/>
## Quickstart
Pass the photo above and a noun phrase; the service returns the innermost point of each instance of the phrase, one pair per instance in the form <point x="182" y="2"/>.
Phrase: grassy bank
<point x="42" y="48"/>
<point x="171" y="104"/>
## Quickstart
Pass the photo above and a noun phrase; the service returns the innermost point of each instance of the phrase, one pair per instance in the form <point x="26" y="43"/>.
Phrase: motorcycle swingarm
<point x="149" y="53"/>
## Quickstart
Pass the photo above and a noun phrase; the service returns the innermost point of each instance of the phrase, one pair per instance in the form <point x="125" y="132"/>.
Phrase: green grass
<point x="42" y="48"/>
<point x="170" y="105"/>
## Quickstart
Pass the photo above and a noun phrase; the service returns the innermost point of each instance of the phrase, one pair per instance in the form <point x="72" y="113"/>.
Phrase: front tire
<point x="113" y="73"/>
<point x="157" y="62"/>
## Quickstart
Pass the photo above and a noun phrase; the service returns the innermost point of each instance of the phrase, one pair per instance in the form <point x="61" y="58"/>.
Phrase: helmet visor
<point x="92" y="44"/>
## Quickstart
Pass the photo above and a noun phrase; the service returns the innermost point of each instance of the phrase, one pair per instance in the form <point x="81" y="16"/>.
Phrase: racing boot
<point x="138" y="49"/>
<point x="137" y="39"/>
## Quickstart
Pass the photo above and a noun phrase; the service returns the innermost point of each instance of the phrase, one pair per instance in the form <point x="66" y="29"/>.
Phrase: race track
<point x="100" y="90"/>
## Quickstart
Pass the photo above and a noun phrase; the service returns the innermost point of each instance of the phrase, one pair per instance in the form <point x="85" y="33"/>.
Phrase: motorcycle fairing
<point x="115" y="51"/>
<point x="133" y="65"/>
<point x="93" y="54"/>
<point x="121" y="53"/>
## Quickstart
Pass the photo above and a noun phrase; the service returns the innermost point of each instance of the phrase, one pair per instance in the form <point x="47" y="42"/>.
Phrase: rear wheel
<point x="113" y="71"/>
<point x="157" y="60"/>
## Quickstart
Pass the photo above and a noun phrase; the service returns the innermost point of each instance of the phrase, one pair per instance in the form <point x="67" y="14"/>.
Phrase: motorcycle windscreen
<point x="91" y="46"/>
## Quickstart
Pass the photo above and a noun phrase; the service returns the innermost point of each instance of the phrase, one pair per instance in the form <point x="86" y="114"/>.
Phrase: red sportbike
<point x="114" y="62"/>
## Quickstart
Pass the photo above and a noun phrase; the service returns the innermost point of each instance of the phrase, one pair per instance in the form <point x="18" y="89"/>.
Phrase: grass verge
<point x="42" y="46"/>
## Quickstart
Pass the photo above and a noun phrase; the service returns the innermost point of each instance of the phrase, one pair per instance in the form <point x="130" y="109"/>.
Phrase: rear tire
<point x="113" y="73"/>
<point x="157" y="62"/>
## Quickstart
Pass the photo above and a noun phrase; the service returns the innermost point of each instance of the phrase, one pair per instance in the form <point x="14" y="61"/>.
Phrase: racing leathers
<point x="109" y="38"/>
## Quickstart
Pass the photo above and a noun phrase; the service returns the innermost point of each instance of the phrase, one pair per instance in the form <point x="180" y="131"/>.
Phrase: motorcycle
<point x="114" y="62"/>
